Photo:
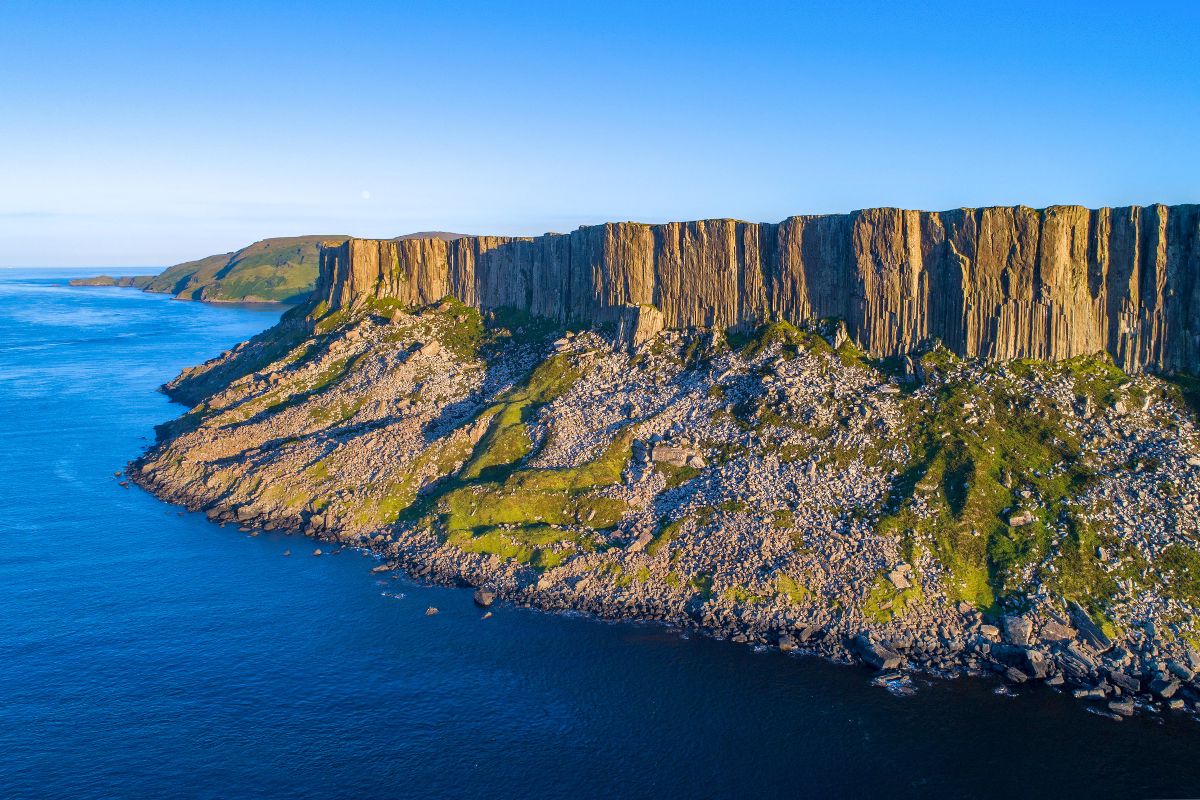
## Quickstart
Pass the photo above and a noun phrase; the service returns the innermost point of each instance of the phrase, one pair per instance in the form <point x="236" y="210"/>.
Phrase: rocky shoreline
<point x="779" y="489"/>
<point x="1062" y="657"/>
<point x="142" y="283"/>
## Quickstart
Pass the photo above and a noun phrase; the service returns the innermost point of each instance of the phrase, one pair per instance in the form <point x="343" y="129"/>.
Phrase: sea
<point x="148" y="653"/>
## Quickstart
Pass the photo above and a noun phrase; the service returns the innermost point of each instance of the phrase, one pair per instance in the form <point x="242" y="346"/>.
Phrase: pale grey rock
<point x="1018" y="630"/>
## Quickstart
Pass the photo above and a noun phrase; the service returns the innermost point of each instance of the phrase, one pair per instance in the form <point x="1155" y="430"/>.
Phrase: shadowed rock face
<point x="999" y="283"/>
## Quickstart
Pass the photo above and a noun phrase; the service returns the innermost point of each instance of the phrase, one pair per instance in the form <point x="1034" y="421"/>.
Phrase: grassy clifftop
<point x="273" y="270"/>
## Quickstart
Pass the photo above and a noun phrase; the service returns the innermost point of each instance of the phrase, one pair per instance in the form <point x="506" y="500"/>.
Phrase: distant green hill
<point x="274" y="270"/>
<point x="281" y="270"/>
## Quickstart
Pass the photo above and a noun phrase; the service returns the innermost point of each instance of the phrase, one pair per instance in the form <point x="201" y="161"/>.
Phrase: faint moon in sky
<point x="366" y="195"/>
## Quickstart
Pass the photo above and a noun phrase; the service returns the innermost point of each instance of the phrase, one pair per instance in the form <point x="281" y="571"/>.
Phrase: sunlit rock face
<point x="997" y="283"/>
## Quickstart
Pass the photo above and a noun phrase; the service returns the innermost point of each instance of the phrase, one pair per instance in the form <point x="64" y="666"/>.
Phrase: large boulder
<point x="1089" y="631"/>
<point x="1015" y="675"/>
<point x="1125" y="707"/>
<point x="1018" y="631"/>
<point x="637" y="325"/>
<point x="810" y="631"/>
<point x="901" y="576"/>
<point x="1055" y="632"/>
<point x="1126" y="682"/>
<point x="676" y="456"/>
<point x="1164" y="688"/>
<point x="640" y="543"/>
<point x="875" y="653"/>
<point x="1021" y="518"/>
<point x="1180" y="670"/>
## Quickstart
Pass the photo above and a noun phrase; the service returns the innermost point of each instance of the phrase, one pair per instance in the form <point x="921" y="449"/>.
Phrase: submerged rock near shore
<point x="772" y="483"/>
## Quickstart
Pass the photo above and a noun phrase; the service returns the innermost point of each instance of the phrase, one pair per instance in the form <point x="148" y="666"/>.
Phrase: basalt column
<point x="998" y="283"/>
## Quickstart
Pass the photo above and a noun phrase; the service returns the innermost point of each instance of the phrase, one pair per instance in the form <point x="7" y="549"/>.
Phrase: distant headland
<point x="278" y="270"/>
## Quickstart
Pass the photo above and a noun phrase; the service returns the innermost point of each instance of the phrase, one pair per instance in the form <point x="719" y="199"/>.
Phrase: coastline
<point x="249" y="301"/>
<point x="976" y="652"/>
<point x="877" y="606"/>
<point x="422" y="559"/>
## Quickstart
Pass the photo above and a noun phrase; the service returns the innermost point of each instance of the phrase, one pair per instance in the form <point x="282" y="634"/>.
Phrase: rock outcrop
<point x="998" y="283"/>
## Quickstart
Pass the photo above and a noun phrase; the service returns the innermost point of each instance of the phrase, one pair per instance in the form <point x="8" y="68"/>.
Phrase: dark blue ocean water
<point x="148" y="654"/>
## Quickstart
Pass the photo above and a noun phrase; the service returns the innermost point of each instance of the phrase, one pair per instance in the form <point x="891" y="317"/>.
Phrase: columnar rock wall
<point x="993" y="282"/>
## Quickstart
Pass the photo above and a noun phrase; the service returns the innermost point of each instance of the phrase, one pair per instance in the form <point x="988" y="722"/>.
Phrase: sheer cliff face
<point x="995" y="282"/>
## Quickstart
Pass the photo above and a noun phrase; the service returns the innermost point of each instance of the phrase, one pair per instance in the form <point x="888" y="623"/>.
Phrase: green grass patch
<point x="886" y="602"/>
<point x="969" y="473"/>
<point x="1095" y="377"/>
<point x="675" y="476"/>
<point x="383" y="306"/>
<point x="851" y="355"/>
<point x="319" y="471"/>
<point x="296" y="391"/>
<point x="1180" y="568"/>
<point x="787" y="586"/>
<point x="1185" y="389"/>
<point x="461" y="330"/>
<point x="740" y="594"/>
<point x="436" y="462"/>
<point x="480" y="506"/>
<point x="669" y="530"/>
<point x="492" y="496"/>
<point x="329" y="321"/>
<point x="940" y="361"/>
<point x="604" y="470"/>
<point x="663" y="538"/>
<point x="1081" y="576"/>
<point x="783" y="518"/>
<point x="541" y="546"/>
<point x="791" y="341"/>
<point x="337" y="412"/>
<point x="507" y="438"/>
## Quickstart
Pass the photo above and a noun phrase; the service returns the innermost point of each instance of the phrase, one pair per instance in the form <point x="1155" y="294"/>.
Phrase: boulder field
<point x="1029" y="519"/>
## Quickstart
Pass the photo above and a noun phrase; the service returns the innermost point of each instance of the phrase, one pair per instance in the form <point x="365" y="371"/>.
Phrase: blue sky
<point x="145" y="134"/>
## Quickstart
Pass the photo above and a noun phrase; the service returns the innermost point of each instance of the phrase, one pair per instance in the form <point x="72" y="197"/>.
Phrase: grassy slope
<point x="978" y="452"/>
<point x="536" y="516"/>
<point x="273" y="270"/>
<point x="492" y="503"/>
<point x="982" y="454"/>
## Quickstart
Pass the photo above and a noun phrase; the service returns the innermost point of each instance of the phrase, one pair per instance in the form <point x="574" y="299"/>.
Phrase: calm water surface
<point x="144" y="653"/>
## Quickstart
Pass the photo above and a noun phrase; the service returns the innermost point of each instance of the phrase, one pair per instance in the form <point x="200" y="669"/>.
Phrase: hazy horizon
<point x="140" y="137"/>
